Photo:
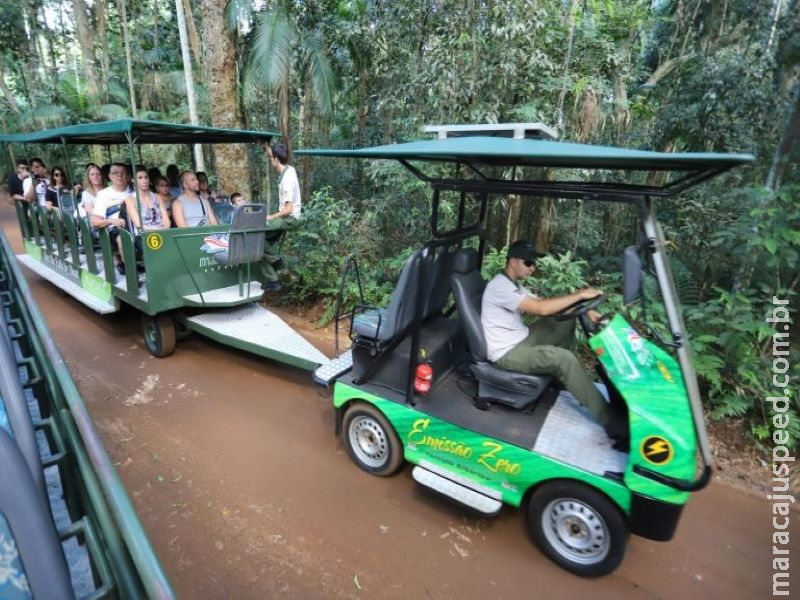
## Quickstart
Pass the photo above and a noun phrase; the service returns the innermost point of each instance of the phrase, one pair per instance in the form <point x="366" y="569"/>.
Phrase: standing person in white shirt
<point x="287" y="218"/>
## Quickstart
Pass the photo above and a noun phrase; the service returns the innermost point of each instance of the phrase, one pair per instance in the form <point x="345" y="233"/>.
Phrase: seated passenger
<point x="57" y="187"/>
<point x="109" y="200"/>
<point x="188" y="209"/>
<point x="237" y="199"/>
<point x="546" y="348"/>
<point x="108" y="204"/>
<point x="205" y="192"/>
<point x="173" y="175"/>
<point x="153" y="215"/>
<point x="92" y="186"/>
<point x="161" y="188"/>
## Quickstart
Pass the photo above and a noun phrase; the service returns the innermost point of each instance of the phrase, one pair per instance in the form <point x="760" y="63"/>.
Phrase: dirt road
<point x="232" y="465"/>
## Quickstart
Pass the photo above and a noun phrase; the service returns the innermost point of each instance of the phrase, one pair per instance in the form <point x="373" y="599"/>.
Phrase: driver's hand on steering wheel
<point x="589" y="293"/>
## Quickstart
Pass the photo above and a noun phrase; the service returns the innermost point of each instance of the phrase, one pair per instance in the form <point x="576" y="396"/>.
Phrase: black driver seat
<point x="517" y="390"/>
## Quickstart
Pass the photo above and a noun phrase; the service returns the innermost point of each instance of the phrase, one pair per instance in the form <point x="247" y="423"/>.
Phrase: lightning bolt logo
<point x="656" y="450"/>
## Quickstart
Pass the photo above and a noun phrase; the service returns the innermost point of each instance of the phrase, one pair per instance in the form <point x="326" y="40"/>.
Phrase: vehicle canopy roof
<point x="504" y="146"/>
<point x="125" y="131"/>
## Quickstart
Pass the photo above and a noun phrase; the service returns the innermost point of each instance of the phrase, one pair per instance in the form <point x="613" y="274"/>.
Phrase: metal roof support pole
<point x="67" y="162"/>
<point x="655" y="237"/>
<point x="482" y="225"/>
<point x="131" y="142"/>
<point x="435" y="213"/>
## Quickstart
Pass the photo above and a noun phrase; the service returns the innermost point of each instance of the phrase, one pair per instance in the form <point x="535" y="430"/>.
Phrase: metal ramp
<point x="255" y="329"/>
<point x="69" y="286"/>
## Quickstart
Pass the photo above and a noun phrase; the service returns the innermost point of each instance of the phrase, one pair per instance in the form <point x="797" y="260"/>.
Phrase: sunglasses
<point x="529" y="263"/>
<point x="59" y="175"/>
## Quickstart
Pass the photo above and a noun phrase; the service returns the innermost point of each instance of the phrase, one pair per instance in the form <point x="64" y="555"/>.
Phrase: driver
<point x="546" y="348"/>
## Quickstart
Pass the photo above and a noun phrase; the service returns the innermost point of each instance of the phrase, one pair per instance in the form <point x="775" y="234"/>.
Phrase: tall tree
<point x="230" y="160"/>
<point x="123" y="17"/>
<point x="189" y="77"/>
<point x="86" y="42"/>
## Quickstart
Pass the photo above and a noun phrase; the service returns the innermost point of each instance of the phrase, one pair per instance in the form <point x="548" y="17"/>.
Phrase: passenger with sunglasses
<point x="58" y="185"/>
<point x="547" y="347"/>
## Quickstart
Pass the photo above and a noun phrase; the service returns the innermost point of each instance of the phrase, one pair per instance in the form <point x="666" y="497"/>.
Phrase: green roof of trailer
<point x="503" y="151"/>
<point x="123" y="131"/>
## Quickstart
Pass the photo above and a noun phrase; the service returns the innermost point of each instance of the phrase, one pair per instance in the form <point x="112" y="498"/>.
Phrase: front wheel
<point x="578" y="528"/>
<point x="159" y="334"/>
<point x="371" y="441"/>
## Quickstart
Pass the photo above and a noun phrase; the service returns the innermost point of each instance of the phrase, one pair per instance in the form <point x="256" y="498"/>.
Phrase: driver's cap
<point x="523" y="249"/>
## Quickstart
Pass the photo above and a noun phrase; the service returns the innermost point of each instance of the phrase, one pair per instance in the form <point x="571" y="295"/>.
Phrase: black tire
<point x="159" y="334"/>
<point x="181" y="331"/>
<point x="578" y="528"/>
<point x="371" y="441"/>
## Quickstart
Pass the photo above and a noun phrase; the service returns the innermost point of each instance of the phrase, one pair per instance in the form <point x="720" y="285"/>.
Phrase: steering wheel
<point x="581" y="307"/>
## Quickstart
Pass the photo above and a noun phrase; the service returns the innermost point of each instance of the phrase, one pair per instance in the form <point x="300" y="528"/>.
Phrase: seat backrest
<point x="66" y="202"/>
<point x="439" y="286"/>
<point x="244" y="248"/>
<point x="400" y="311"/>
<point x="223" y="212"/>
<point x="468" y="286"/>
<point x="38" y="565"/>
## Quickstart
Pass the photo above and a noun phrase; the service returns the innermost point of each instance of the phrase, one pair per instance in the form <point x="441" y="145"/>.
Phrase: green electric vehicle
<point x="186" y="279"/>
<point x="416" y="385"/>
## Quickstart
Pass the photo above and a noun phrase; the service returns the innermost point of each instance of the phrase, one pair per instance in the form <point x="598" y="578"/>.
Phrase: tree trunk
<point x="102" y="7"/>
<point x="194" y="38"/>
<point x="86" y="42"/>
<point x="12" y="104"/>
<point x="231" y="163"/>
<point x="187" y="73"/>
<point x="123" y="18"/>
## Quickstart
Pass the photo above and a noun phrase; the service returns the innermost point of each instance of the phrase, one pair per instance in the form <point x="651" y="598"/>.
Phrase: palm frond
<point x="322" y="78"/>
<point x="272" y="48"/>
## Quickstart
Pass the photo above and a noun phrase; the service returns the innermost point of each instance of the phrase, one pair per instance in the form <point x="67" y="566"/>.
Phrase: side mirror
<point x="632" y="275"/>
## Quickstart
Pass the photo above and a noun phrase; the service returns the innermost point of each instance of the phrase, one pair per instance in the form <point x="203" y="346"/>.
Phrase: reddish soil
<point x="245" y="492"/>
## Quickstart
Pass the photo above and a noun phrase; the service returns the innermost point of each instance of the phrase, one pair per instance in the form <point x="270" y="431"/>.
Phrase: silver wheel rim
<point x="576" y="531"/>
<point x="368" y="441"/>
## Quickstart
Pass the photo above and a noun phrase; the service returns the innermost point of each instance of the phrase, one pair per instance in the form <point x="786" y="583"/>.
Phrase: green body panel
<point x="175" y="262"/>
<point x="176" y="266"/>
<point x="651" y="383"/>
<point x="95" y="285"/>
<point x="505" y="468"/>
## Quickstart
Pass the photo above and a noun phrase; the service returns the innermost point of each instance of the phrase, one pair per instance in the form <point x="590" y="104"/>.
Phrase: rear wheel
<point x="159" y="334"/>
<point x="578" y="528"/>
<point x="371" y="441"/>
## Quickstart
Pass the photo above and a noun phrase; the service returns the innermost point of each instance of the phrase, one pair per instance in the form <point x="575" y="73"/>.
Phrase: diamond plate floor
<point x="570" y="435"/>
